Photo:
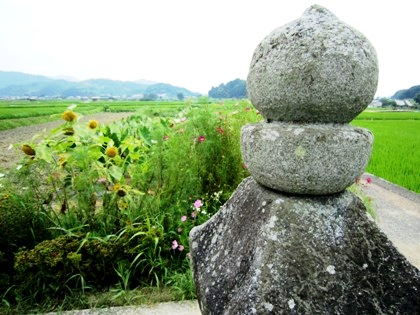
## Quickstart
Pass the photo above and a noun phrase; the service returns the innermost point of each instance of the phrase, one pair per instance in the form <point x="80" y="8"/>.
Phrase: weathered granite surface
<point x="305" y="158"/>
<point x="267" y="252"/>
<point x="270" y="252"/>
<point x="314" y="69"/>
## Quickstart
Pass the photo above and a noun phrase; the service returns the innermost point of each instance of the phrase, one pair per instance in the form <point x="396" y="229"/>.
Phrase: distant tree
<point x="417" y="98"/>
<point x="387" y="102"/>
<point x="180" y="96"/>
<point x="236" y="88"/>
<point x="218" y="92"/>
<point x="203" y="100"/>
<point x="232" y="89"/>
<point x="149" y="97"/>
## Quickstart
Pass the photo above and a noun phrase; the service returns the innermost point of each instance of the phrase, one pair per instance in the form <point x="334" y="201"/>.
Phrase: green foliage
<point x="70" y="262"/>
<point x="367" y="201"/>
<point x="232" y="89"/>
<point x="22" y="224"/>
<point x="387" y="102"/>
<point x="121" y="199"/>
<point x="182" y="284"/>
<point x="184" y="156"/>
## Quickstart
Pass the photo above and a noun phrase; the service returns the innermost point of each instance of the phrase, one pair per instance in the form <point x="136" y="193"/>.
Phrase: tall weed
<point x="118" y="201"/>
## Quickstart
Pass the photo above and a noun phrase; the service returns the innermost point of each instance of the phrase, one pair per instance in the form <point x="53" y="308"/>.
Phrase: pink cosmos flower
<point x="201" y="138"/>
<point x="198" y="204"/>
<point x="174" y="244"/>
<point x="181" y="248"/>
<point x="184" y="218"/>
<point x="193" y="214"/>
<point x="183" y="119"/>
<point x="369" y="180"/>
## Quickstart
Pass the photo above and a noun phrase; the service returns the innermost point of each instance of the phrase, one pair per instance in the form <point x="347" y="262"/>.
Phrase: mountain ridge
<point x="19" y="84"/>
<point x="406" y="93"/>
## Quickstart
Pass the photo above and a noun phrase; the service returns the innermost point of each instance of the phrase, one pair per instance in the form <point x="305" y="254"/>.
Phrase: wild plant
<point x="121" y="199"/>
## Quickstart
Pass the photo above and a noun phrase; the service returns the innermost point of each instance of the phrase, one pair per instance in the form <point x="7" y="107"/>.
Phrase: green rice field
<point x="18" y="113"/>
<point x="396" y="148"/>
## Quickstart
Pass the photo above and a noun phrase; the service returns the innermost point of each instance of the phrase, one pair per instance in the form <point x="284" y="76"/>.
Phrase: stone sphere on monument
<point x="313" y="69"/>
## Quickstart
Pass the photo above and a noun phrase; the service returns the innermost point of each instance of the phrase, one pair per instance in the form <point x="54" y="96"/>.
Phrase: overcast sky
<point x="195" y="44"/>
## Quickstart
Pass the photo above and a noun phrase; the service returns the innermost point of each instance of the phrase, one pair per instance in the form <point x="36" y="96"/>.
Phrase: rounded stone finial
<point x="314" y="69"/>
<point x="314" y="159"/>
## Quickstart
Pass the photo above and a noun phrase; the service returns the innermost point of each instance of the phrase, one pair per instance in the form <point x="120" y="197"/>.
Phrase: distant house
<point x="375" y="104"/>
<point x="400" y="103"/>
<point x="409" y="103"/>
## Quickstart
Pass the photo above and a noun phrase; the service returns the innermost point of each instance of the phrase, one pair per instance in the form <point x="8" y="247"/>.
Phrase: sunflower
<point x="111" y="152"/>
<point x="62" y="160"/>
<point x="68" y="115"/>
<point x="27" y="149"/>
<point x="120" y="190"/>
<point x="93" y="124"/>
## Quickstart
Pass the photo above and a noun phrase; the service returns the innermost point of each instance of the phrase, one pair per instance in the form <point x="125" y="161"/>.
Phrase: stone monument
<point x="291" y="240"/>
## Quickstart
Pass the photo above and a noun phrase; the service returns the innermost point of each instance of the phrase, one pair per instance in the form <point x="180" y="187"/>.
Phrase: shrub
<point x="76" y="262"/>
<point x="21" y="225"/>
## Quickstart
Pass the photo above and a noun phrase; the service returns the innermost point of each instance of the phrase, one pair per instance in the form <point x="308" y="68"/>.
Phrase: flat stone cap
<point x="313" y="69"/>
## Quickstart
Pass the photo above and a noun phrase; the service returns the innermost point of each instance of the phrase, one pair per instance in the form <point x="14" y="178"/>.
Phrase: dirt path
<point x="398" y="215"/>
<point x="168" y="308"/>
<point x="8" y="158"/>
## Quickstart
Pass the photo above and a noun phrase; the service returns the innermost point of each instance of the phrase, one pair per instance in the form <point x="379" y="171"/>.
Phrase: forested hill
<point x="232" y="89"/>
<point x="17" y="84"/>
<point x="406" y="94"/>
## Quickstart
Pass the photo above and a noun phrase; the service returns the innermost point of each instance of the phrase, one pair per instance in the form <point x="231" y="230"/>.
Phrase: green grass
<point x="86" y="221"/>
<point x="395" y="155"/>
<point x="18" y="113"/>
<point x="389" y="115"/>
